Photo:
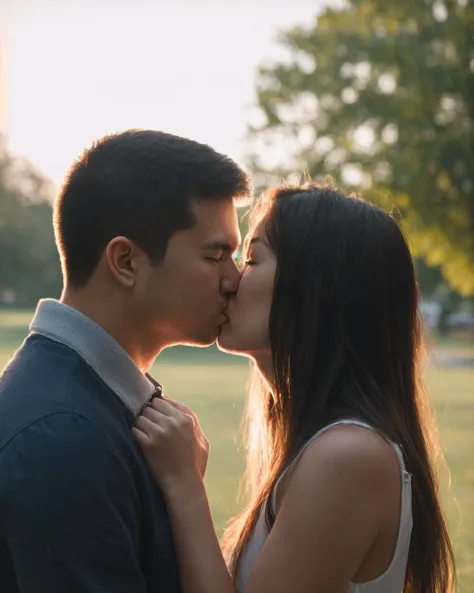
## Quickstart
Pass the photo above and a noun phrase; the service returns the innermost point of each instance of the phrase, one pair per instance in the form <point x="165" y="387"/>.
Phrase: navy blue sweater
<point x="79" y="511"/>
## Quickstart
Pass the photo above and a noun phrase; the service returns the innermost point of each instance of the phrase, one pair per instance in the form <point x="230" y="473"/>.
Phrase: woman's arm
<point x="201" y="564"/>
<point x="341" y="494"/>
<point x="176" y="451"/>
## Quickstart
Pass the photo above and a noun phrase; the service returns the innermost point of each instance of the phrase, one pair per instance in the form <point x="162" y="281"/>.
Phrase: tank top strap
<point x="350" y="421"/>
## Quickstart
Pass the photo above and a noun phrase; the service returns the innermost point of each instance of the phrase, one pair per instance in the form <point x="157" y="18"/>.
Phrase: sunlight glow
<point x="78" y="70"/>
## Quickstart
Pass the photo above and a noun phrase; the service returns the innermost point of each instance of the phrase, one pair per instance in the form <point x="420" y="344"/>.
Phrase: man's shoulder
<point x="63" y="458"/>
<point x="39" y="357"/>
<point x="61" y="440"/>
<point x="45" y="382"/>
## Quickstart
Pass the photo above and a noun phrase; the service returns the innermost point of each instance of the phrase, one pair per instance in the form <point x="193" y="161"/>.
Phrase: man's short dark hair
<point x="136" y="184"/>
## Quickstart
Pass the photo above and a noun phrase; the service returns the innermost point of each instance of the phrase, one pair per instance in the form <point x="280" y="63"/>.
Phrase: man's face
<point x="182" y="299"/>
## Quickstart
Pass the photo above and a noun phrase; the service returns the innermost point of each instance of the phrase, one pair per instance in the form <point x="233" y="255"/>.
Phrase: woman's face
<point x="248" y="311"/>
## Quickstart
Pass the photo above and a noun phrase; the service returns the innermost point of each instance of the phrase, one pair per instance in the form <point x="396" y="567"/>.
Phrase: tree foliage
<point x="29" y="262"/>
<point x="381" y="95"/>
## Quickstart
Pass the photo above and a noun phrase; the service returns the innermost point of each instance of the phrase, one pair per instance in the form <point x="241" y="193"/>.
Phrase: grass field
<point x="213" y="385"/>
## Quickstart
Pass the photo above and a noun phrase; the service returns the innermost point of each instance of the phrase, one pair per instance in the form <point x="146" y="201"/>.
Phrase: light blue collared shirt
<point x="109" y="360"/>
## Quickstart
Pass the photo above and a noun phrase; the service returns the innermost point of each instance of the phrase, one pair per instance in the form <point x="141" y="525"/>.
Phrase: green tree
<point x="381" y="95"/>
<point x="29" y="263"/>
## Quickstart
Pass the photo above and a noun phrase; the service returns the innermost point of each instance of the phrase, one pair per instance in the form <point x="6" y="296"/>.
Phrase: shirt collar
<point x="109" y="360"/>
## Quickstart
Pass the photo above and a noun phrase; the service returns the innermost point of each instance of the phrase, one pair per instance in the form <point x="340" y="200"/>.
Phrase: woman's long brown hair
<point x="346" y="340"/>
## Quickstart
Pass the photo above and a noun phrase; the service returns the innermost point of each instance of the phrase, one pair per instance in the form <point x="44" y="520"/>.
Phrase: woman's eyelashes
<point x="249" y="260"/>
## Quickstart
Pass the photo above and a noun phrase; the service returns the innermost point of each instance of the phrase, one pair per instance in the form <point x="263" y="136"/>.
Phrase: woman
<point x="342" y="452"/>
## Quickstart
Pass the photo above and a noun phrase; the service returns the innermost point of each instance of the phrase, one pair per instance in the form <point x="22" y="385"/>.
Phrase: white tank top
<point x="390" y="581"/>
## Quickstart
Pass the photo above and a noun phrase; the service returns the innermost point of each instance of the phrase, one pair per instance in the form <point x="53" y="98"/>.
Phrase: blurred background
<point x="374" y="95"/>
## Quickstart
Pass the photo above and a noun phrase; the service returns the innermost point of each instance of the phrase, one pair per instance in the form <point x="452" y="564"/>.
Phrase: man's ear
<point x="122" y="256"/>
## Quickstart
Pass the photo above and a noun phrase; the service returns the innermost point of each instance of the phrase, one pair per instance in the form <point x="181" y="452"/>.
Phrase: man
<point x="146" y="226"/>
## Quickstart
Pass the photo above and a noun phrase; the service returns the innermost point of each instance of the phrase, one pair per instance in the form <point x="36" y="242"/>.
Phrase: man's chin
<point x="223" y="338"/>
<point x="200" y="342"/>
<point x="203" y="339"/>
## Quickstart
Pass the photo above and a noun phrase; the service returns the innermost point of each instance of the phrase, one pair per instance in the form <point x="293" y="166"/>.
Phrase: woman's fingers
<point x="147" y="425"/>
<point x="142" y="438"/>
<point x="154" y="415"/>
<point x="184" y="409"/>
<point x="172" y="427"/>
<point x="173" y="409"/>
<point x="180" y="406"/>
<point x="161" y="415"/>
<point x="163" y="406"/>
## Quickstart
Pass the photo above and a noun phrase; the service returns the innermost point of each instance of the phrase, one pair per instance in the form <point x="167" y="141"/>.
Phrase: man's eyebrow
<point x="218" y="245"/>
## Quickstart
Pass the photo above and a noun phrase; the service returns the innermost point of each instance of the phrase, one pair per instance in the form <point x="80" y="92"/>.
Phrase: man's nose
<point x="231" y="278"/>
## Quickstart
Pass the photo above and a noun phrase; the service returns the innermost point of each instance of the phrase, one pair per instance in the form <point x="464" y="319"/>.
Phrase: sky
<point x="77" y="69"/>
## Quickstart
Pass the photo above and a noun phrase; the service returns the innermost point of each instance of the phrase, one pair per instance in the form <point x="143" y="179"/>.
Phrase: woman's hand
<point x="173" y="445"/>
